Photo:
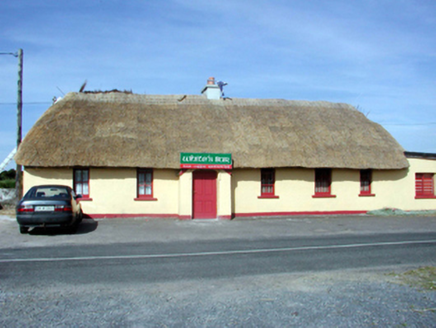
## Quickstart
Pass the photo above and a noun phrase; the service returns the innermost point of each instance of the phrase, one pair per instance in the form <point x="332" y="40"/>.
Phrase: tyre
<point x="73" y="228"/>
<point x="24" y="230"/>
<point x="80" y="217"/>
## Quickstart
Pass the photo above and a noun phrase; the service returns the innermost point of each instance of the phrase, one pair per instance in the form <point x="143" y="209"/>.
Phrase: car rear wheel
<point x="80" y="217"/>
<point x="24" y="230"/>
<point x="73" y="228"/>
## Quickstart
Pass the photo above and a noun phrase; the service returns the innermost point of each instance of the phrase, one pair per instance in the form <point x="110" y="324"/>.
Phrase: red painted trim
<point x="425" y="197"/>
<point x="206" y="166"/>
<point x="267" y="196"/>
<point x="223" y="217"/>
<point x="181" y="172"/>
<point x="144" y="199"/>
<point x="323" y="196"/>
<point x="298" y="213"/>
<point x="125" y="216"/>
<point x="366" y="195"/>
<point x="85" y="199"/>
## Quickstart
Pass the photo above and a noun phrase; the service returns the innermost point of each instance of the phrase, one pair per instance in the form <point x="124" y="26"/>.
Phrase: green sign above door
<point x="205" y="161"/>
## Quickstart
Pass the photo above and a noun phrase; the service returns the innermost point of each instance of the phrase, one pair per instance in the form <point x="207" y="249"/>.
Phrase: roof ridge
<point x="113" y="97"/>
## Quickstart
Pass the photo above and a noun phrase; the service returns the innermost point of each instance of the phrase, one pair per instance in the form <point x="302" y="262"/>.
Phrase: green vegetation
<point x="424" y="278"/>
<point x="7" y="179"/>
<point x="398" y="212"/>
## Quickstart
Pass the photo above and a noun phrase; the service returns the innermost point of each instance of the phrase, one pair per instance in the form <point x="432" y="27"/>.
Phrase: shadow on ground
<point x="86" y="226"/>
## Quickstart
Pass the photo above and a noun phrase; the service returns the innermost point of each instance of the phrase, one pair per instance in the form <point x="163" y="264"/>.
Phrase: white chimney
<point x="211" y="90"/>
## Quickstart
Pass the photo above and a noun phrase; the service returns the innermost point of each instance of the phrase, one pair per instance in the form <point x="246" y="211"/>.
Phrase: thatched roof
<point x="131" y="130"/>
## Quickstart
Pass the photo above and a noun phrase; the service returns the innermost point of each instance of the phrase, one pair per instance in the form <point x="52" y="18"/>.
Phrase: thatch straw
<point x="131" y="130"/>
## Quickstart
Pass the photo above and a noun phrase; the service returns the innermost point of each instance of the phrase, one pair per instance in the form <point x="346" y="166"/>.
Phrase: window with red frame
<point x="424" y="185"/>
<point x="365" y="182"/>
<point x="81" y="182"/>
<point x="267" y="179"/>
<point x="145" y="183"/>
<point x="323" y="181"/>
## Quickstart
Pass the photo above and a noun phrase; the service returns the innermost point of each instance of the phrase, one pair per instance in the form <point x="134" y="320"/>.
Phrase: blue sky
<point x="379" y="56"/>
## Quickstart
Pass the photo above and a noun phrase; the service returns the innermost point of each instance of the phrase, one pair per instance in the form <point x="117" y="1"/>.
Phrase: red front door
<point x="204" y="195"/>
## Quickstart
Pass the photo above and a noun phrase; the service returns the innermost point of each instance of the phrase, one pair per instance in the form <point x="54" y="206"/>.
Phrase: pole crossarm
<point x="15" y="54"/>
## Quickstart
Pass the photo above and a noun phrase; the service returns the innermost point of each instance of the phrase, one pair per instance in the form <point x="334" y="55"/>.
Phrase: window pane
<point x="148" y="190"/>
<point x="85" y="189"/>
<point x="141" y="190"/>
<point x="78" y="176"/>
<point x="79" y="189"/>
<point x="148" y="177"/>
<point x="85" y="176"/>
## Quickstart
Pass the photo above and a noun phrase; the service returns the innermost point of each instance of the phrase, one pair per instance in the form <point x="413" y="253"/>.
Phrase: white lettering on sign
<point x="222" y="159"/>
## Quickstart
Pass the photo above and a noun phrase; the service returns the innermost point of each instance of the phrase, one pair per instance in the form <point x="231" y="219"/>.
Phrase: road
<point x="257" y="280"/>
<point x="161" y="262"/>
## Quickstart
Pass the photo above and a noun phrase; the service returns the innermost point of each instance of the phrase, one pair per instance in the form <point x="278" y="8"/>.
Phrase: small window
<point x="424" y="185"/>
<point x="81" y="182"/>
<point x="365" y="183"/>
<point x="323" y="181"/>
<point x="145" y="184"/>
<point x="267" y="180"/>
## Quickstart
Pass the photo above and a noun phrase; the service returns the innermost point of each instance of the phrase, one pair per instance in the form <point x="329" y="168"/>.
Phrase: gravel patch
<point x="330" y="299"/>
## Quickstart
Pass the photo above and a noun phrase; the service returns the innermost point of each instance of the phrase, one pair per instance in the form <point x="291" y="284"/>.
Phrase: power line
<point x="409" y="124"/>
<point x="27" y="103"/>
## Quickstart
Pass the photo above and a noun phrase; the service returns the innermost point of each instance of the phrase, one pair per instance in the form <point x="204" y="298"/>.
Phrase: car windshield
<point x="45" y="192"/>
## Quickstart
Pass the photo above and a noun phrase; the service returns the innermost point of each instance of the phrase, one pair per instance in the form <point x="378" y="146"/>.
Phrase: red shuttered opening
<point x="424" y="185"/>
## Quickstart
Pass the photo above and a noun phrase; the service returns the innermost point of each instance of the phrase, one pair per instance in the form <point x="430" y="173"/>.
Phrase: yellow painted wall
<point x="295" y="188"/>
<point x="113" y="191"/>
<point x="39" y="176"/>
<point x="224" y="194"/>
<point x="185" y="194"/>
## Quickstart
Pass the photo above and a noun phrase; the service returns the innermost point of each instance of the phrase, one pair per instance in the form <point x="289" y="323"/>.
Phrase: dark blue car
<point x="49" y="206"/>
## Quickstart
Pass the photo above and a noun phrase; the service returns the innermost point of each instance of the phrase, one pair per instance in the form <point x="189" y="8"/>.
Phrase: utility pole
<point x="18" y="179"/>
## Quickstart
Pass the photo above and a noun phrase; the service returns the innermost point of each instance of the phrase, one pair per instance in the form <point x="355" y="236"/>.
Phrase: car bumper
<point x="45" y="219"/>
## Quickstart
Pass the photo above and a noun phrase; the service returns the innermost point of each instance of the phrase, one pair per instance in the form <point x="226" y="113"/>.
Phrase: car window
<point x="48" y="192"/>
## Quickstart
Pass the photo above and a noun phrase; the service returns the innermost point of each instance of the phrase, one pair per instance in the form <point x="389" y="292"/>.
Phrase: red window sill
<point x="324" y="196"/>
<point x="366" y="195"/>
<point x="267" y="196"/>
<point x="425" y="197"/>
<point x="84" y="199"/>
<point x="145" y="199"/>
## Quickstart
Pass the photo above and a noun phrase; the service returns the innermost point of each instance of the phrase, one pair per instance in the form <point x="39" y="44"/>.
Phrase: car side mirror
<point x="78" y="196"/>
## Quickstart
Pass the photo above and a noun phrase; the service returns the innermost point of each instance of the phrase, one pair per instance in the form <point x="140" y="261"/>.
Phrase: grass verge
<point x="423" y="278"/>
